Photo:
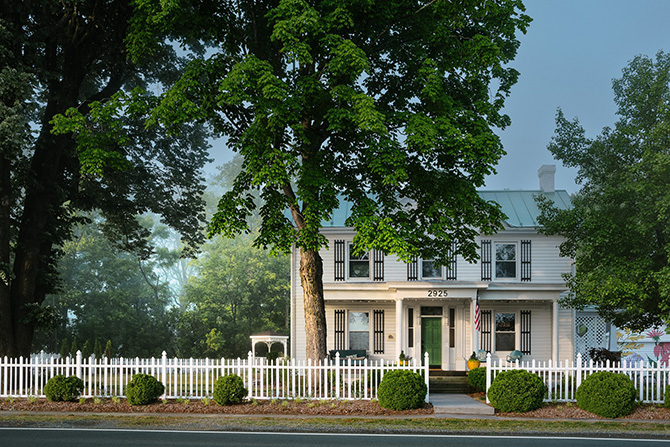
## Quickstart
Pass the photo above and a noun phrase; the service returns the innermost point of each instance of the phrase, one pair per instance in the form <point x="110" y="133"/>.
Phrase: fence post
<point x="337" y="374"/>
<point x="78" y="366"/>
<point x="164" y="373"/>
<point x="426" y="372"/>
<point x="250" y="372"/>
<point x="488" y="375"/>
<point x="579" y="370"/>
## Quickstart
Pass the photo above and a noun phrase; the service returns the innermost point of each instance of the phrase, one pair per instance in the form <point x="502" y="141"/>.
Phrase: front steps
<point x="448" y="382"/>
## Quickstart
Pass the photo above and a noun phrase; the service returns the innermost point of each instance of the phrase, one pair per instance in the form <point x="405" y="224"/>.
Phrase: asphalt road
<point x="18" y="437"/>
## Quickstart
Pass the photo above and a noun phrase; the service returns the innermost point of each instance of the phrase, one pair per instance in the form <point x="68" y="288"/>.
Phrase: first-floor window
<point x="505" y="331"/>
<point x="359" y="330"/>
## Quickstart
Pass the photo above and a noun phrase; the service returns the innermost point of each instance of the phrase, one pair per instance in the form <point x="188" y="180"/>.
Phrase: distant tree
<point x="618" y="229"/>
<point x="238" y="290"/>
<point x="388" y="104"/>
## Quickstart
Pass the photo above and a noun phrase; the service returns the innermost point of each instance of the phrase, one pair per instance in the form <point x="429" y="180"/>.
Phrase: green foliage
<point x="390" y="105"/>
<point x="477" y="378"/>
<point x="64" y="349"/>
<point x="517" y="391"/>
<point x="402" y="390"/>
<point x="607" y="394"/>
<point x="618" y="230"/>
<point x="63" y="389"/>
<point x="229" y="390"/>
<point x="238" y="290"/>
<point x="144" y="389"/>
<point x="666" y="397"/>
<point x="74" y="139"/>
<point x="74" y="348"/>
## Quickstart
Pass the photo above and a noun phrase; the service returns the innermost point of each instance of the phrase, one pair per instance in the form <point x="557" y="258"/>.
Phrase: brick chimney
<point x="546" y="175"/>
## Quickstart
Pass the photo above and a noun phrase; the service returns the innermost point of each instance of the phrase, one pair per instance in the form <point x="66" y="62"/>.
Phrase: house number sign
<point x="437" y="293"/>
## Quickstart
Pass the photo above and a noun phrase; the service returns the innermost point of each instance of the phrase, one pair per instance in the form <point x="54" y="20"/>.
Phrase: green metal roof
<point x="519" y="207"/>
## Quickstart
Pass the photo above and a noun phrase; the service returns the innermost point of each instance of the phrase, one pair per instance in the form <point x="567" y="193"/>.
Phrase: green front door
<point x="431" y="340"/>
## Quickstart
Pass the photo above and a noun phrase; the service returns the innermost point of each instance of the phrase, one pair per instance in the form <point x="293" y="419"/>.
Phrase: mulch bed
<point x="572" y="411"/>
<point x="287" y="407"/>
<point x="359" y="408"/>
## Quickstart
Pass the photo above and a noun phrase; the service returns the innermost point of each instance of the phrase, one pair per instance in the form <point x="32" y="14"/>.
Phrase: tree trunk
<point x="6" y="332"/>
<point x="311" y="278"/>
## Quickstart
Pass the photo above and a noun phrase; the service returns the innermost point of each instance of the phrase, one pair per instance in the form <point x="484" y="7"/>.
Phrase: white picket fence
<point x="195" y="378"/>
<point x="563" y="378"/>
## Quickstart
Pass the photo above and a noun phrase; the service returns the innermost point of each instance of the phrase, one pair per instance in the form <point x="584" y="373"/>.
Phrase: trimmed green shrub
<point x="229" y="390"/>
<point x="63" y="389"/>
<point x="402" y="390"/>
<point x="144" y="389"/>
<point x="517" y="391"/>
<point x="607" y="394"/>
<point x="477" y="378"/>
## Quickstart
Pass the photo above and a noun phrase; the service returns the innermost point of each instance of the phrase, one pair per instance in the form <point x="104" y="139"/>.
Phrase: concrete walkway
<point x="459" y="404"/>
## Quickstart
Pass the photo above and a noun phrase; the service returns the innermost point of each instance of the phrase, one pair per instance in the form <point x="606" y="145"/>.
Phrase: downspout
<point x="292" y="322"/>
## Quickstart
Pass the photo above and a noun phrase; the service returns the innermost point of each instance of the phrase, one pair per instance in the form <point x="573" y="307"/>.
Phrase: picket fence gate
<point x="563" y="378"/>
<point x="195" y="378"/>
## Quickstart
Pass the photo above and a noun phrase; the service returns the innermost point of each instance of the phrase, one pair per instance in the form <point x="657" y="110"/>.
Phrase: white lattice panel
<point x="590" y="332"/>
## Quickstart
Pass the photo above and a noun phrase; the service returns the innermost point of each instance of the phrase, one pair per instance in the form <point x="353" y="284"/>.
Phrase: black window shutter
<point x="525" y="260"/>
<point x="485" y="333"/>
<point x="377" y="265"/>
<point x="413" y="270"/>
<point x="525" y="331"/>
<point x="378" y="344"/>
<point x="339" y="260"/>
<point x="486" y="260"/>
<point x="451" y="270"/>
<point x="339" y="328"/>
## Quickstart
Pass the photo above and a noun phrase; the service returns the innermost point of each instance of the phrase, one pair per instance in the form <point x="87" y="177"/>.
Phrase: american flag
<point x="478" y="314"/>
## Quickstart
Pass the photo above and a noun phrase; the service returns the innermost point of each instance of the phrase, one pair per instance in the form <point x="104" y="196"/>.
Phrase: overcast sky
<point x="568" y="58"/>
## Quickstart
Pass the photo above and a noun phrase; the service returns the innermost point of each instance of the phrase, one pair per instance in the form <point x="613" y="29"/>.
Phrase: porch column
<point x="398" y="327"/>
<point x="554" y="332"/>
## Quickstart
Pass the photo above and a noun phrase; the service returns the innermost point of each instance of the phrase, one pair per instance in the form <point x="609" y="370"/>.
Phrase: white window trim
<point x="348" y="265"/>
<point x="517" y="264"/>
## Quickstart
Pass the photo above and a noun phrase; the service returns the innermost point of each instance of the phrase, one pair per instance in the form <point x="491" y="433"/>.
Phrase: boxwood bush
<point x="402" y="390"/>
<point x="229" y="390"/>
<point x="607" y="394"/>
<point x="144" y="389"/>
<point x="517" y="391"/>
<point x="477" y="378"/>
<point x="63" y="389"/>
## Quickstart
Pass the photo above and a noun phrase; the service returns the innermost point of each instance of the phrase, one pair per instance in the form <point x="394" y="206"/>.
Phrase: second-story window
<point x="429" y="270"/>
<point x="505" y="260"/>
<point x="359" y="266"/>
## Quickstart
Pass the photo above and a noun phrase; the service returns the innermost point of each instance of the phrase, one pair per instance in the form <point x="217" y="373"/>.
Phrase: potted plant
<point x="473" y="361"/>
<point x="404" y="359"/>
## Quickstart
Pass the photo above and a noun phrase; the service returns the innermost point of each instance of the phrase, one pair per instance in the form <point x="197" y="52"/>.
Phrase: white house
<point x="385" y="306"/>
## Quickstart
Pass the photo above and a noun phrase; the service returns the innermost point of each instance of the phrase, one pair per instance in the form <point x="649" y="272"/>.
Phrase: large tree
<point x="60" y="55"/>
<point x="618" y="229"/>
<point x="388" y="104"/>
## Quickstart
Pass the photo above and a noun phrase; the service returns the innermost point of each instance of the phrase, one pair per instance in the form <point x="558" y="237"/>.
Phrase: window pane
<point x="505" y="322"/>
<point x="359" y="340"/>
<point x="505" y="269"/>
<point x="505" y="252"/>
<point x="359" y="266"/>
<point x="430" y="310"/>
<point x="359" y="269"/>
<point x="505" y="342"/>
<point x="428" y="270"/>
<point x="359" y="321"/>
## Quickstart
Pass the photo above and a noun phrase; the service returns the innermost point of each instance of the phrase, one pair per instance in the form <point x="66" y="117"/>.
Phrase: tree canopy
<point x="618" y="230"/>
<point x="390" y="105"/>
<point x="63" y="58"/>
